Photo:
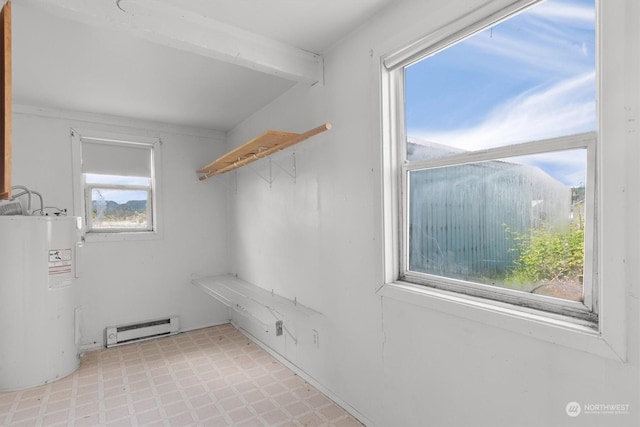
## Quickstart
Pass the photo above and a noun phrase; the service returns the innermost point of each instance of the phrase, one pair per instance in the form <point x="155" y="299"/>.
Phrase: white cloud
<point x="561" y="109"/>
<point x="568" y="167"/>
<point x="537" y="40"/>
<point x="574" y="14"/>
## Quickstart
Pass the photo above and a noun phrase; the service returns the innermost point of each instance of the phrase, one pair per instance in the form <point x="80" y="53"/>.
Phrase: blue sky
<point x="528" y="78"/>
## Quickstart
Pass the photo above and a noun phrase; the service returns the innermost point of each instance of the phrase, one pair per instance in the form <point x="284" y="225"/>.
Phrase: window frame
<point x="607" y="337"/>
<point x="82" y="189"/>
<point x="585" y="310"/>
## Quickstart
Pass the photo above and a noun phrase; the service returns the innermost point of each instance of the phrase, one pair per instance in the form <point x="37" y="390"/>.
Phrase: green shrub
<point x="548" y="254"/>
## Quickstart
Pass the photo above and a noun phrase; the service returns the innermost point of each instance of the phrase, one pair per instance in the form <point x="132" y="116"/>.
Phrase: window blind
<point x="107" y="157"/>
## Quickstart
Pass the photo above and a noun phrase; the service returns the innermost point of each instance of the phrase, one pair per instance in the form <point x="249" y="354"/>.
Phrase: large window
<point x="118" y="184"/>
<point x="495" y="130"/>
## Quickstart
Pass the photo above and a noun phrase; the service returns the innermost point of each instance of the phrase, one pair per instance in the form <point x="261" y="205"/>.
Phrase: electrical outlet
<point x="316" y="338"/>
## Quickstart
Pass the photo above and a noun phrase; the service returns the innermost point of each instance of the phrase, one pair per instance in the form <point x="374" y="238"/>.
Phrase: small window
<point x="496" y="149"/>
<point x="118" y="185"/>
<point x="118" y="203"/>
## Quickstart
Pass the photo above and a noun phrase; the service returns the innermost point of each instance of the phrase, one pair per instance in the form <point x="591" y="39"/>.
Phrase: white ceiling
<point x="202" y="63"/>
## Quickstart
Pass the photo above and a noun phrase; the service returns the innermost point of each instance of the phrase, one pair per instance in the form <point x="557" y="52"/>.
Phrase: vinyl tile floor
<point x="209" y="377"/>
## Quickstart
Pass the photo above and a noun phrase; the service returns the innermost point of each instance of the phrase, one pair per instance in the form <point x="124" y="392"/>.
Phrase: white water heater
<point x="39" y="300"/>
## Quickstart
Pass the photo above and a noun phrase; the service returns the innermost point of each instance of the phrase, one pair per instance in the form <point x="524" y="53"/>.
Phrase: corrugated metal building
<point x="464" y="217"/>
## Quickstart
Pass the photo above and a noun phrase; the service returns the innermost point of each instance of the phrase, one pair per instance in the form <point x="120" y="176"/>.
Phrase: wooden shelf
<point x="259" y="147"/>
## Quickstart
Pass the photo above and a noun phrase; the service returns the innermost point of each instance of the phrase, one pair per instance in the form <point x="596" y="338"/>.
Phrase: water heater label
<point x="60" y="268"/>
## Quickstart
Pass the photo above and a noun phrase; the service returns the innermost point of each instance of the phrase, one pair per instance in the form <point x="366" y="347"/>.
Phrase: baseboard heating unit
<point x="125" y="334"/>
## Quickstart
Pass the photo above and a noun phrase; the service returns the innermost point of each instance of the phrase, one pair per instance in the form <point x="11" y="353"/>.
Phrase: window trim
<point x="454" y="32"/>
<point x="607" y="338"/>
<point x="80" y="186"/>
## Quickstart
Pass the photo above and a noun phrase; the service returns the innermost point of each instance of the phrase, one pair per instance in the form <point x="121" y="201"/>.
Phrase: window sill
<point x="121" y="236"/>
<point x="562" y="331"/>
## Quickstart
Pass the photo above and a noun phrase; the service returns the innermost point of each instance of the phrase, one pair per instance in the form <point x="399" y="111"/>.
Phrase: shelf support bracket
<point x="293" y="173"/>
<point x="267" y="180"/>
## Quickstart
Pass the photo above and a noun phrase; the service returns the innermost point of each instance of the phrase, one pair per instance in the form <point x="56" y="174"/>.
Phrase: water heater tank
<point x="38" y="300"/>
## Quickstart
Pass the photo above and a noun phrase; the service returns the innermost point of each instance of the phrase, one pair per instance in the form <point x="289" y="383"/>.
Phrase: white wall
<point x="129" y="281"/>
<point x="320" y="240"/>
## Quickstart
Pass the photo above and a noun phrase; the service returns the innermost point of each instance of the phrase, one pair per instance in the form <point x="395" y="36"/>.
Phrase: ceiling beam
<point x="183" y="29"/>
